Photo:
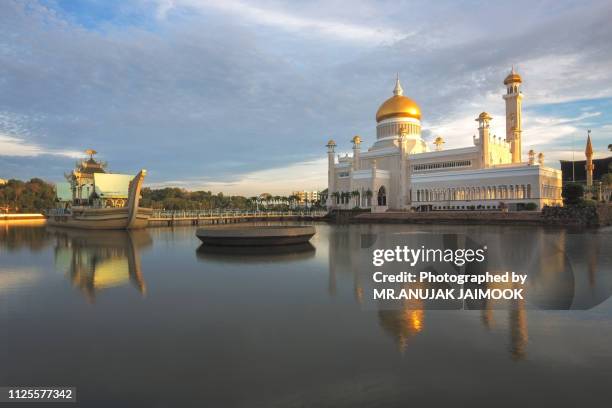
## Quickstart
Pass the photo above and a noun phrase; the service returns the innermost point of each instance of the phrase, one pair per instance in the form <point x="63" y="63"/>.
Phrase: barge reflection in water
<point x="98" y="260"/>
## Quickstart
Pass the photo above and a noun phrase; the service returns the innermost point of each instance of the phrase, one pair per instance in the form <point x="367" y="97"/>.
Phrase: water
<point x="147" y="318"/>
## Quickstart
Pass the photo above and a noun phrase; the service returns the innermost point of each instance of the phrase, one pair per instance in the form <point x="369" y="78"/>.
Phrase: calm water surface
<point x="148" y="318"/>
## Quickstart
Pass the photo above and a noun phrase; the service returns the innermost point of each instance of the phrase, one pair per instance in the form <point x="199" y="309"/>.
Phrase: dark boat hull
<point x="255" y="236"/>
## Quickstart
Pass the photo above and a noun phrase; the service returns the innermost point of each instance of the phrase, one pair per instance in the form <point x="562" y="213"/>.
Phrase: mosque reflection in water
<point x="99" y="260"/>
<point x="565" y="272"/>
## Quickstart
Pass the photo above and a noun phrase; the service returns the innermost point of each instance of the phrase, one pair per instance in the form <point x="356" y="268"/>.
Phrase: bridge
<point x="196" y="217"/>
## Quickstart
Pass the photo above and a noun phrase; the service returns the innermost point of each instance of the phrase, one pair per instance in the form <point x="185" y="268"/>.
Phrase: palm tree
<point x="355" y="194"/>
<point x="255" y="200"/>
<point x="369" y="195"/>
<point x="345" y="196"/>
<point x="292" y="199"/>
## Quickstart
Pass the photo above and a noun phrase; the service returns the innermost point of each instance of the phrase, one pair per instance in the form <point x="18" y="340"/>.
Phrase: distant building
<point x="303" y="196"/>
<point x="3" y="182"/>
<point x="576" y="170"/>
<point x="589" y="172"/>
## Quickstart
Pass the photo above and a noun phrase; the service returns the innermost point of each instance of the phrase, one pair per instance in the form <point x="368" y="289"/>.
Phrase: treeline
<point x="18" y="196"/>
<point x="36" y="195"/>
<point x="172" y="198"/>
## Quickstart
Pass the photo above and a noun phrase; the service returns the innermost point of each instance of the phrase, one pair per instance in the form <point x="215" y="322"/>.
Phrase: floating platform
<point x="252" y="235"/>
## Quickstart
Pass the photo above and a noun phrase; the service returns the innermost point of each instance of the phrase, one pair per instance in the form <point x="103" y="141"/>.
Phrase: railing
<point x="203" y="214"/>
<point x="52" y="212"/>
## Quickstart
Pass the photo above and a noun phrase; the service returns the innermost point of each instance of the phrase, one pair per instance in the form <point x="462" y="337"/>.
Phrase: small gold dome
<point x="331" y="142"/>
<point x="484" y="116"/>
<point x="513" y="77"/>
<point x="356" y="139"/>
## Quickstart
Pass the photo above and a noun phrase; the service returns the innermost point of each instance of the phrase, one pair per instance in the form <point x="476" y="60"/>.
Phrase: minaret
<point x="356" y="151"/>
<point x="331" y="146"/>
<point x="588" y="152"/>
<point x="483" y="132"/>
<point x="513" y="99"/>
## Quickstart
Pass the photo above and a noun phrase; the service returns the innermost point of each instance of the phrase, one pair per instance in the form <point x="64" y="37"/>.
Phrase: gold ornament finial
<point x="589" y="147"/>
<point x="398" y="90"/>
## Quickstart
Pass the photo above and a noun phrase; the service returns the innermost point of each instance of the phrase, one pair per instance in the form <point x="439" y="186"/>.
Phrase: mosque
<point x="400" y="171"/>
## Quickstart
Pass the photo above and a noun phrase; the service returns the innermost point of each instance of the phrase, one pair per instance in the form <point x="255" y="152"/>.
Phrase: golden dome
<point x="356" y="139"/>
<point x="484" y="116"/>
<point x="398" y="106"/>
<point x="513" y="77"/>
<point x="331" y="142"/>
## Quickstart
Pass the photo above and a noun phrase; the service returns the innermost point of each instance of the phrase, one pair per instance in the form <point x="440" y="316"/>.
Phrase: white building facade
<point x="399" y="171"/>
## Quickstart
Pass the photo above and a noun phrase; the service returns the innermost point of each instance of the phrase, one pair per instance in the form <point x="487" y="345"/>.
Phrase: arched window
<point x="382" y="196"/>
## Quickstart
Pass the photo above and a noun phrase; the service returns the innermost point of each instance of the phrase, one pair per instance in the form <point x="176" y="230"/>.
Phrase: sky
<point x="241" y="97"/>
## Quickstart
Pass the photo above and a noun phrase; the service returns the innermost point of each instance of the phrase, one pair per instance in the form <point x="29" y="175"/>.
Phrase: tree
<point x="35" y="195"/>
<point x="323" y="197"/>
<point x="572" y="193"/>
<point x="531" y="207"/>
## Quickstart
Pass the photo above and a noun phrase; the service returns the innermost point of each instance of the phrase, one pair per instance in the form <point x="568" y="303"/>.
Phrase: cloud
<point x="13" y="146"/>
<point x="308" y="175"/>
<point x="287" y="21"/>
<point x="13" y="132"/>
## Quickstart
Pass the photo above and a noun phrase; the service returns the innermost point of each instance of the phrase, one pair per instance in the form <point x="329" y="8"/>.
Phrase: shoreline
<point x="598" y="217"/>
<point x="22" y="217"/>
<point x="450" y="217"/>
<point x="522" y="218"/>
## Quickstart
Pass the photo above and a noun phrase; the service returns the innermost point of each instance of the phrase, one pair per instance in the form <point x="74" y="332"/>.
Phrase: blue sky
<point x="241" y="97"/>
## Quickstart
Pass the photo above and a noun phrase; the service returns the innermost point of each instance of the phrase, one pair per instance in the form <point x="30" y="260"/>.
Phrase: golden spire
<point x="398" y="90"/>
<point x="438" y="142"/>
<point x="589" y="147"/>
<point x="91" y="153"/>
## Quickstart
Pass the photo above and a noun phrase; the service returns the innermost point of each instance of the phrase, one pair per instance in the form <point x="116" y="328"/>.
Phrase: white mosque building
<point x="400" y="172"/>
